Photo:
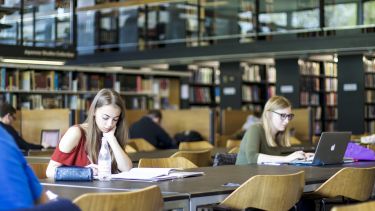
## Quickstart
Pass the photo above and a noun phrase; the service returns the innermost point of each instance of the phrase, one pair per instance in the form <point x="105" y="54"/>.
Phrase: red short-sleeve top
<point x="77" y="157"/>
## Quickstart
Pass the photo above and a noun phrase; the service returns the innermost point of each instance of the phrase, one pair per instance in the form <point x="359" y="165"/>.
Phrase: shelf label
<point x="286" y="89"/>
<point x="229" y="91"/>
<point x="350" y="87"/>
<point x="184" y="91"/>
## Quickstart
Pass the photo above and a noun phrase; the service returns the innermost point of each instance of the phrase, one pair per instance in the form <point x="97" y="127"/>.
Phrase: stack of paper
<point x="154" y="174"/>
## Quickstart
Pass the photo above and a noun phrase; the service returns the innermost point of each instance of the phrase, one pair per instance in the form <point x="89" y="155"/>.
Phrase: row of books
<point x="331" y="99"/>
<point x="370" y="81"/>
<point x="307" y="98"/>
<point x="369" y="65"/>
<point x="370" y="96"/>
<point x="200" y="95"/>
<point x="310" y="84"/>
<point x="330" y="85"/>
<point x="369" y="111"/>
<point x="26" y="80"/>
<point x="331" y="113"/>
<point x="203" y="75"/>
<point x="370" y="127"/>
<point x="251" y="93"/>
<point x="309" y="68"/>
<point x="258" y="73"/>
<point x="330" y="69"/>
<point x="253" y="107"/>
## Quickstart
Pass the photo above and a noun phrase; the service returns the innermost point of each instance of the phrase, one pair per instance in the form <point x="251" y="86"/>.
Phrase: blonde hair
<point x="93" y="134"/>
<point x="282" y="137"/>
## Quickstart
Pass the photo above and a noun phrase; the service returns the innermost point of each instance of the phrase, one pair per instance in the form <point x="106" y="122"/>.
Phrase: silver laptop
<point x="330" y="150"/>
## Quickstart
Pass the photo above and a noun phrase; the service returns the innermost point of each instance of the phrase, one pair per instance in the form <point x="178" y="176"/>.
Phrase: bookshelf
<point x="258" y="84"/>
<point x="369" y="95"/>
<point x="318" y="90"/>
<point x="73" y="87"/>
<point x="204" y="84"/>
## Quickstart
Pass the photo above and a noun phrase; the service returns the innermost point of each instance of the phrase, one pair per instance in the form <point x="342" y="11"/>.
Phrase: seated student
<point x="20" y="186"/>
<point x="262" y="141"/>
<point x="80" y="145"/>
<point x="7" y="117"/>
<point x="148" y="127"/>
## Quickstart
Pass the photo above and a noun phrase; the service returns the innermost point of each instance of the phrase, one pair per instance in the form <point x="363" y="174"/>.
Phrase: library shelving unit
<point x="204" y="83"/>
<point x="318" y="90"/>
<point x="258" y="85"/>
<point x="73" y="87"/>
<point x="369" y="67"/>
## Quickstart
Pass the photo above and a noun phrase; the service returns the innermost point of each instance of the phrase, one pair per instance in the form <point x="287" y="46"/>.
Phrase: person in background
<point x="263" y="141"/>
<point x="250" y="120"/>
<point x="149" y="128"/>
<point x="20" y="186"/>
<point x="7" y="117"/>
<point x="80" y="145"/>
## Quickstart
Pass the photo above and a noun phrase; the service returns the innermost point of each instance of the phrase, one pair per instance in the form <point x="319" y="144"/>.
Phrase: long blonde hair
<point x="93" y="134"/>
<point x="282" y="137"/>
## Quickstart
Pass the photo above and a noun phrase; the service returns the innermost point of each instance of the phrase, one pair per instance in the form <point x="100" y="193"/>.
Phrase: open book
<point x="154" y="174"/>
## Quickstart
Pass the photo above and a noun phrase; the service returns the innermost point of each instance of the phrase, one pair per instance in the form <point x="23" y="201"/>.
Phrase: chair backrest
<point x="129" y="149"/>
<point x="141" y="145"/>
<point x="195" y="145"/>
<point x="231" y="143"/>
<point x="353" y="183"/>
<point x="199" y="158"/>
<point x="146" y="199"/>
<point x="267" y="192"/>
<point x="171" y="162"/>
<point x="39" y="169"/>
<point x="366" y="206"/>
<point x="234" y="150"/>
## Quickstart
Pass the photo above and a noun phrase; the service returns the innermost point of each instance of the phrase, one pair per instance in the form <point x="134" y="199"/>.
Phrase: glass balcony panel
<point x="369" y="13"/>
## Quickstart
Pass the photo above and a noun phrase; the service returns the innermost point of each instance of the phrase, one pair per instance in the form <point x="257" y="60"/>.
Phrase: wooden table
<point x="210" y="188"/>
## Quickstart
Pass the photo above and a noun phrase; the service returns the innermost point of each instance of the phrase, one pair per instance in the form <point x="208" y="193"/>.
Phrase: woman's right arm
<point x="68" y="142"/>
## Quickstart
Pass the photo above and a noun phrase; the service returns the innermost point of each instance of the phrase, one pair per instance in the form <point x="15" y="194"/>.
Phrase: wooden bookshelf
<point x="73" y="87"/>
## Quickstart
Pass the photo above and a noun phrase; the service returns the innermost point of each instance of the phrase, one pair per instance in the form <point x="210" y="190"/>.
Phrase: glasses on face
<point x="284" y="116"/>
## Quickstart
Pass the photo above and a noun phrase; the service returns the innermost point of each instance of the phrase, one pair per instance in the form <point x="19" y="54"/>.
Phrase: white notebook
<point x="154" y="174"/>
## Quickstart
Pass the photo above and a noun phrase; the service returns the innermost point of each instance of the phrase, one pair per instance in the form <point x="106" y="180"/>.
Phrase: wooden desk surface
<point x="214" y="179"/>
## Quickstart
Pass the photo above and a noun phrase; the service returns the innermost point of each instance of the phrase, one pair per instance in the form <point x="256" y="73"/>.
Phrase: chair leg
<point x="322" y="205"/>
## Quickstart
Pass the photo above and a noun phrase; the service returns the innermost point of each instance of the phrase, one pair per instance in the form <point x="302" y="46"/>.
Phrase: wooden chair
<point x="141" y="145"/>
<point x="352" y="183"/>
<point x="40" y="153"/>
<point x="146" y="199"/>
<point x="195" y="145"/>
<point x="366" y="206"/>
<point x="199" y="158"/>
<point x="234" y="150"/>
<point x="231" y="143"/>
<point x="171" y="162"/>
<point x="39" y="169"/>
<point x="129" y="149"/>
<point x="267" y="192"/>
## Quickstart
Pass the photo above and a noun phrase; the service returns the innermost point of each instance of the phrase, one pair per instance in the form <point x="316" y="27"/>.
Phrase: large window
<point x="369" y="13"/>
<point x="339" y="14"/>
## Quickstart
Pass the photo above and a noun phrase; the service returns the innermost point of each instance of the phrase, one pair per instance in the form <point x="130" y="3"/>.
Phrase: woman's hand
<point x="110" y="135"/>
<point x="94" y="168"/>
<point x="298" y="155"/>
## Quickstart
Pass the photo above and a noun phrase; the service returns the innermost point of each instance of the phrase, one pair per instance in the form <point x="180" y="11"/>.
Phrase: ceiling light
<point x="28" y="61"/>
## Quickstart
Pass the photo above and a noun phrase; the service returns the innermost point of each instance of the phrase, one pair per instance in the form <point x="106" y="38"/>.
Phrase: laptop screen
<point x="50" y="138"/>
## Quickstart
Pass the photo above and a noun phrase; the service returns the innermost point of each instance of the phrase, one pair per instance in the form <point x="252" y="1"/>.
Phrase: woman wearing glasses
<point x="263" y="141"/>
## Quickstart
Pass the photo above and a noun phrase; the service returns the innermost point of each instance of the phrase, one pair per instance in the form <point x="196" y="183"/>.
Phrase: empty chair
<point x="39" y="169"/>
<point x="352" y="183"/>
<point x="141" y="145"/>
<point x="129" y="149"/>
<point x="231" y="143"/>
<point x="171" y="162"/>
<point x="366" y="206"/>
<point x="146" y="199"/>
<point x="195" y="145"/>
<point x="267" y="192"/>
<point x="199" y="158"/>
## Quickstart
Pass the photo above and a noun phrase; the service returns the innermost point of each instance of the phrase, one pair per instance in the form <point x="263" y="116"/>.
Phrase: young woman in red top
<point x="80" y="145"/>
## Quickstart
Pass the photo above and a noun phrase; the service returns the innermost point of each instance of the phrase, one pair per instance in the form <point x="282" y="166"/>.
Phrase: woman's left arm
<point x="123" y="161"/>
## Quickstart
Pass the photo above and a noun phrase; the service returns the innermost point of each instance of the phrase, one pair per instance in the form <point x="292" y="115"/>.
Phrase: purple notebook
<point x="358" y="152"/>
